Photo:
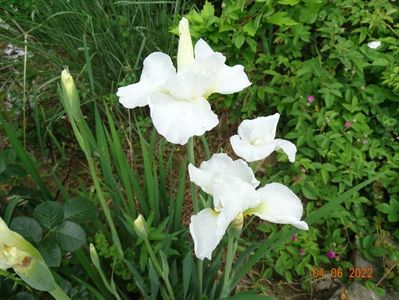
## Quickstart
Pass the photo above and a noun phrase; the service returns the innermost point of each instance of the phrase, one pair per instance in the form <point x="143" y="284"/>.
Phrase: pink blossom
<point x="331" y="254"/>
<point x="348" y="124"/>
<point x="302" y="252"/>
<point x="311" y="98"/>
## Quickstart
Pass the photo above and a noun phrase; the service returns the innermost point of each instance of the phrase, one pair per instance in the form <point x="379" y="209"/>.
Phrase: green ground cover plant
<point x="310" y="61"/>
<point x="119" y="227"/>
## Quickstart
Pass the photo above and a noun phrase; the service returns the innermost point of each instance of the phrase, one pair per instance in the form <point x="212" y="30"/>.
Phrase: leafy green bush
<point x="309" y="60"/>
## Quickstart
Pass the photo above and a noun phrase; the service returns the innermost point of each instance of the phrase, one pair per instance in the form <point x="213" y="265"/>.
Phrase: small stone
<point x="326" y="283"/>
<point x="354" y="291"/>
<point x="360" y="262"/>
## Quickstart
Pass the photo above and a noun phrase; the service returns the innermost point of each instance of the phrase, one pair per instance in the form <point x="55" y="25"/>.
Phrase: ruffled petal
<point x="202" y="50"/>
<point x="261" y="130"/>
<point x="188" y="85"/>
<point x="207" y="230"/>
<point x="220" y="165"/>
<point x="233" y="196"/>
<point x="288" y="147"/>
<point x="134" y="95"/>
<point x="244" y="149"/>
<point x="279" y="205"/>
<point x="179" y="120"/>
<point x="158" y="67"/>
<point x="228" y="79"/>
<point x="231" y="80"/>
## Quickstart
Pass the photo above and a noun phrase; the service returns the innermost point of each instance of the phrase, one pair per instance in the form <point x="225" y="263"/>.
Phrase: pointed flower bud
<point x="185" y="52"/>
<point x="70" y="93"/>
<point x="140" y="226"/>
<point x="19" y="254"/>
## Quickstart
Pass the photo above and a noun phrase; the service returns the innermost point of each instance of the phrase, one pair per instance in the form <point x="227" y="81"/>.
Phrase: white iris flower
<point x="256" y="139"/>
<point x="178" y="99"/>
<point x="232" y="185"/>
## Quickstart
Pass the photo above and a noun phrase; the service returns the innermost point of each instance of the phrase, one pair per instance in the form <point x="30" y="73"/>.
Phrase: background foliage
<point x="295" y="49"/>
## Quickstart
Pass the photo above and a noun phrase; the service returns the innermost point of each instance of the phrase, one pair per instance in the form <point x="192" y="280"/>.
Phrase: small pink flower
<point x="294" y="237"/>
<point x="331" y="254"/>
<point x="302" y="252"/>
<point x="348" y="124"/>
<point x="311" y="98"/>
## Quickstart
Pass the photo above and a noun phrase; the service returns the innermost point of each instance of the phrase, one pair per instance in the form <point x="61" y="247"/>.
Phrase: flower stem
<point x="191" y="159"/>
<point x="59" y="294"/>
<point x="231" y="251"/>
<point x="194" y="199"/>
<point x="158" y="268"/>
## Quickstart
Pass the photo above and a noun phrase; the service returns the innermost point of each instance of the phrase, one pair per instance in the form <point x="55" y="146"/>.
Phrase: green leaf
<point x="79" y="210"/>
<point x="239" y="41"/>
<point x="247" y="295"/>
<point x="70" y="236"/>
<point x="281" y="19"/>
<point x="49" y="214"/>
<point x="29" y="228"/>
<point x="208" y="10"/>
<point x="289" y="2"/>
<point x="51" y="252"/>
<point x="187" y="266"/>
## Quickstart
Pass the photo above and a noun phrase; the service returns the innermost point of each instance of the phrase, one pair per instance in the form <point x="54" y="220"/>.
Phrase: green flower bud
<point x="140" y="227"/>
<point x="70" y="93"/>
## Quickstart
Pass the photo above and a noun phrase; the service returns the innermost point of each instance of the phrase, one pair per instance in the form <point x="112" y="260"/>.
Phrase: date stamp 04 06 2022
<point x="352" y="273"/>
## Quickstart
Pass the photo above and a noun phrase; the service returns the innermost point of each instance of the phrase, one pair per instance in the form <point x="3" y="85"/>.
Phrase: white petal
<point x="220" y="165"/>
<point x="279" y="205"/>
<point x="158" y="67"/>
<point x="261" y="130"/>
<point x="288" y="147"/>
<point x="202" y="50"/>
<point x="179" y="120"/>
<point x="232" y="196"/>
<point x="188" y="85"/>
<point x="134" y="95"/>
<point x="207" y="230"/>
<point x="228" y="79"/>
<point x="231" y="80"/>
<point x="243" y="148"/>
<point x="374" y="44"/>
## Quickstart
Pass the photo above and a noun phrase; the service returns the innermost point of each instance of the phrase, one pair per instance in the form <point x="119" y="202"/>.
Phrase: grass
<point x="103" y="44"/>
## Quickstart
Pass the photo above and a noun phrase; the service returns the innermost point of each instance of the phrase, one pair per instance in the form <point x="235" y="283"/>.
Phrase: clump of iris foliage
<point x="308" y="60"/>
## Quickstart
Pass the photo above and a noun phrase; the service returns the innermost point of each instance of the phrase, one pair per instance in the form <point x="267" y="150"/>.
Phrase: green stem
<point x="194" y="198"/>
<point x="104" y="206"/>
<point x="59" y="294"/>
<point x="191" y="159"/>
<point x="200" y="268"/>
<point x="231" y="251"/>
<point x="158" y="268"/>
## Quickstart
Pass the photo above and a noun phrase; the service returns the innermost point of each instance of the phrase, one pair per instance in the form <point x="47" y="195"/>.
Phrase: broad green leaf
<point x="79" y="210"/>
<point x="49" y="214"/>
<point x="281" y="19"/>
<point x="70" y="236"/>
<point x="239" y="41"/>
<point x="51" y="252"/>
<point x="29" y="228"/>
